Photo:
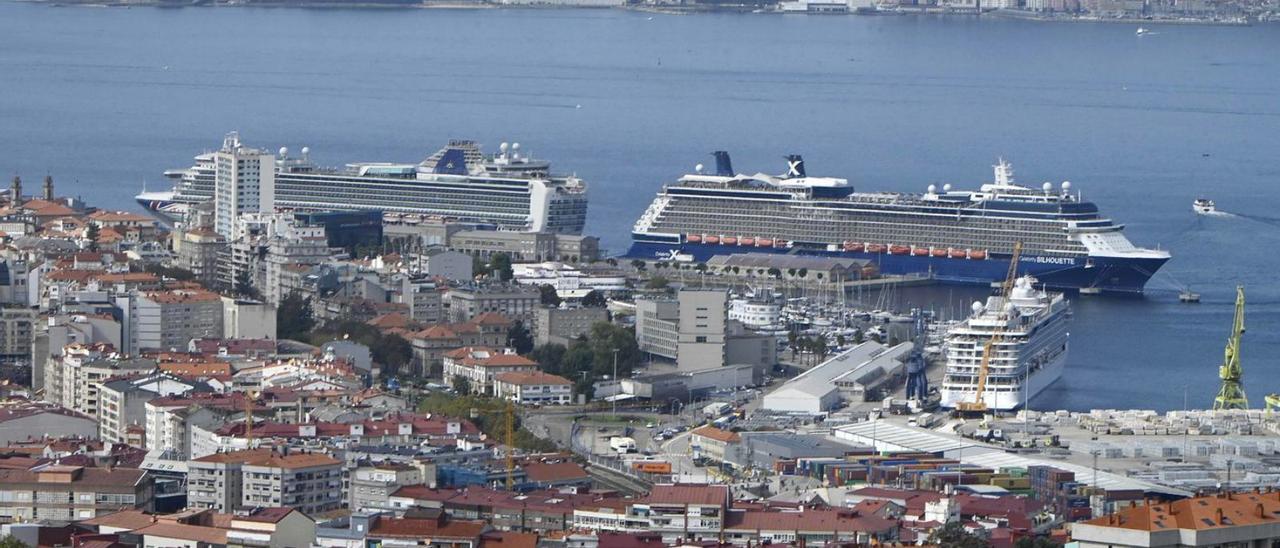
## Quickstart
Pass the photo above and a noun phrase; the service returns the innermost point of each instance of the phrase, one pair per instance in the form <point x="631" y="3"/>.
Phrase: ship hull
<point x="1009" y="401"/>
<point x="1121" y="275"/>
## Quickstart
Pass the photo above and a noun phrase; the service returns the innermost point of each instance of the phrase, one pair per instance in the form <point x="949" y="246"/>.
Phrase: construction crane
<point x="1273" y="402"/>
<point x="1231" y="395"/>
<point x="978" y="406"/>
<point x="511" y="446"/>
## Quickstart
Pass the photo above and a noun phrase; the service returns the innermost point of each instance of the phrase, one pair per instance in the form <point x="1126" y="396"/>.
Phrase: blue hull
<point x="1107" y="274"/>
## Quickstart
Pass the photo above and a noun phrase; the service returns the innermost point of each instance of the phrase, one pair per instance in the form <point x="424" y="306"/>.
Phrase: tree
<point x="611" y="261"/>
<point x="519" y="338"/>
<point x="293" y="317"/>
<point x="858" y="338"/>
<point x="701" y="268"/>
<point x="803" y="273"/>
<point x="392" y="351"/>
<point x="550" y="357"/>
<point x="954" y="535"/>
<point x="1024" y="542"/>
<point x="774" y="272"/>
<point x="791" y="272"/>
<point x="840" y="341"/>
<point x="461" y="385"/>
<point x="638" y="264"/>
<point x="594" y="299"/>
<point x="548" y="295"/>
<point x="244" y="284"/>
<point x="500" y="265"/>
<point x="11" y="541"/>
<point x="656" y="282"/>
<point x="91" y="234"/>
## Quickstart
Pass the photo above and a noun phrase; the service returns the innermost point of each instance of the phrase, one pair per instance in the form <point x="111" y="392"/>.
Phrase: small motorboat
<point x="1204" y="206"/>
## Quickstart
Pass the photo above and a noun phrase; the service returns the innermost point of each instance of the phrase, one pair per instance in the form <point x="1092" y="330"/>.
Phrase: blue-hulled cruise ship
<point x="954" y="235"/>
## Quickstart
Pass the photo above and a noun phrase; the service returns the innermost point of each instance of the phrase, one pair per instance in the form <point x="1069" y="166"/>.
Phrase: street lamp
<point x="616" y="381"/>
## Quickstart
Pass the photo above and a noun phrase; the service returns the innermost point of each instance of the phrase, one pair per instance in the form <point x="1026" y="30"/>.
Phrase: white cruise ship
<point x="506" y="191"/>
<point x="1029" y="355"/>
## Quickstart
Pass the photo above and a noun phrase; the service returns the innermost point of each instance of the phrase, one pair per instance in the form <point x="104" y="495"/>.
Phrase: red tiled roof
<point x="210" y="535"/>
<point x="532" y="378"/>
<point x="687" y="493"/>
<point x="554" y="472"/>
<point x="717" y="434"/>
<point x="811" y="520"/>
<point x="424" y="528"/>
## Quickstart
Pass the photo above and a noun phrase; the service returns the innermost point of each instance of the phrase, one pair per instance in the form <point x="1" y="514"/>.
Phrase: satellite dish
<point x="977" y="307"/>
<point x="284" y="152"/>
<point x="1047" y="186"/>
<point x="932" y="189"/>
<point x="306" y="151"/>
<point x="503" y="147"/>
<point x="1066" y="185"/>
<point x="946" y="187"/>
<point x="698" y="168"/>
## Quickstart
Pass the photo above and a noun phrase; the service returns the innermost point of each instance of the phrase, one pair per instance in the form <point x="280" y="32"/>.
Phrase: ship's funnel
<point x="795" y="166"/>
<point x="724" y="166"/>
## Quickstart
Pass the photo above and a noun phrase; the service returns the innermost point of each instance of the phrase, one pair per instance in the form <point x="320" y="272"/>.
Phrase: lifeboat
<point x="977" y="254"/>
<point x="957" y="253"/>
<point x="848" y="245"/>
<point x="764" y="242"/>
<point x="920" y="252"/>
<point x="713" y="239"/>
<point x="856" y="247"/>
<point x="747" y="240"/>
<point x="729" y="240"/>
<point x="899" y="250"/>
<point x="938" y="252"/>
<point x="692" y="238"/>
<point x="875" y="248"/>
<point x="780" y="243"/>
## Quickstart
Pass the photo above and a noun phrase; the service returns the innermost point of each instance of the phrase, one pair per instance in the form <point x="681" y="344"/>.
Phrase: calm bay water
<point x="105" y="98"/>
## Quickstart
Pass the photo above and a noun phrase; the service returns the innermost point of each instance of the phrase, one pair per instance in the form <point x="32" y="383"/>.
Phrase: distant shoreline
<point x="667" y="10"/>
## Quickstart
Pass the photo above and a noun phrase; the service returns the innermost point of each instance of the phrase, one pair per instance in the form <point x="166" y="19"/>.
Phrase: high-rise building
<point x="244" y="182"/>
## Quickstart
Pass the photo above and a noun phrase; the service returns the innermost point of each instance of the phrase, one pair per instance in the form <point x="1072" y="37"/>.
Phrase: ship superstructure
<point x="952" y="235"/>
<point x="1029" y="353"/>
<point x="506" y="191"/>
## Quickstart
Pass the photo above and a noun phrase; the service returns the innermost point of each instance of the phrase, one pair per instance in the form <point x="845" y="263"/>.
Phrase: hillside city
<point x="255" y="376"/>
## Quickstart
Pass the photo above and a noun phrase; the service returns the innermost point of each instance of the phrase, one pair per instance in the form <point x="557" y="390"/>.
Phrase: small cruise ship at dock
<point x="1029" y="354"/>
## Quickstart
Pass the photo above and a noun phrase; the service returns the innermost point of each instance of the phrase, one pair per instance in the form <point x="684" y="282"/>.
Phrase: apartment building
<point x="533" y="388"/>
<point x="83" y="369"/>
<point x="372" y="486"/>
<point x="167" y="320"/>
<point x="431" y="344"/>
<point x="514" y="301"/>
<point x="480" y="366"/>
<point x="122" y="401"/>
<point x="308" y="482"/>
<point x="65" y="493"/>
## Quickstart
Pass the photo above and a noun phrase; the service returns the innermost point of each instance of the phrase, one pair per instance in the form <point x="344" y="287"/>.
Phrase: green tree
<point x="803" y="273"/>
<point x="656" y="282"/>
<point x="1024" y="542"/>
<point x="701" y="268"/>
<point x="550" y="357"/>
<point x="774" y="272"/>
<point x="638" y="264"/>
<point x="954" y="535"/>
<point x="791" y="272"/>
<point x="393" y="352"/>
<point x="293" y="317"/>
<point x="244" y="285"/>
<point x="594" y="299"/>
<point x="519" y="338"/>
<point x="858" y="337"/>
<point x="10" y="541"/>
<point x="500" y="265"/>
<point x="91" y="234"/>
<point x="611" y="261"/>
<point x="462" y="385"/>
<point x="490" y="418"/>
<point x="548" y="295"/>
<point x="840" y="341"/>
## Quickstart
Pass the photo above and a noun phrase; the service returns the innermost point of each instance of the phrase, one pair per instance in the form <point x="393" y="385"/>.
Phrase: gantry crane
<point x="978" y="405"/>
<point x="1231" y="395"/>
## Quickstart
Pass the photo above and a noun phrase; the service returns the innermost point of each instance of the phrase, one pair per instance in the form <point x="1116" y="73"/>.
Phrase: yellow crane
<point x="978" y="406"/>
<point x="1231" y="395"/>
<point x="511" y="446"/>
<point x="1273" y="402"/>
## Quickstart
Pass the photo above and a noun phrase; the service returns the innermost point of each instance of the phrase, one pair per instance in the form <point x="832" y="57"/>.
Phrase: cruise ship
<point x="1029" y="355"/>
<point x="952" y="235"/>
<point x="505" y="191"/>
